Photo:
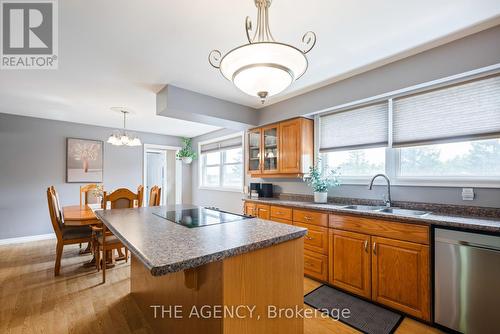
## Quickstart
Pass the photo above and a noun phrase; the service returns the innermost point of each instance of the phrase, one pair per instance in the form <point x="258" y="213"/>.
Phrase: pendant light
<point x="122" y="138"/>
<point x="263" y="67"/>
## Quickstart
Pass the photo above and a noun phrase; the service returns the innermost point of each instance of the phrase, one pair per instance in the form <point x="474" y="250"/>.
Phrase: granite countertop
<point x="165" y="247"/>
<point x="483" y="224"/>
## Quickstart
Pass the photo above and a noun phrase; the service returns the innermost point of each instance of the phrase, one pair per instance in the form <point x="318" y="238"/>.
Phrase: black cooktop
<point x="199" y="217"/>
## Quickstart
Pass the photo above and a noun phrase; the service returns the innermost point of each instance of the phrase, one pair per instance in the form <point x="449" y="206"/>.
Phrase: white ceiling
<point x="120" y="52"/>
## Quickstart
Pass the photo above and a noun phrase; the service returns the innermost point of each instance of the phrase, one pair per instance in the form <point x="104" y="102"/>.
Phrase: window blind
<point x="226" y="144"/>
<point x="466" y="111"/>
<point x="356" y="128"/>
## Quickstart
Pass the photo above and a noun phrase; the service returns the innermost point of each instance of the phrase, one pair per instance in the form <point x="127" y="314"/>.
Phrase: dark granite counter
<point x="479" y="224"/>
<point x="165" y="247"/>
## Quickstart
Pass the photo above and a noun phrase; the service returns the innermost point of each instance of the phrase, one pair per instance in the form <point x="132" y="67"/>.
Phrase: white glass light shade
<point x="135" y="142"/>
<point x="263" y="67"/>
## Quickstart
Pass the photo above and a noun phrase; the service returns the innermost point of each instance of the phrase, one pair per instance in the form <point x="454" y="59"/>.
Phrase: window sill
<point x="232" y="190"/>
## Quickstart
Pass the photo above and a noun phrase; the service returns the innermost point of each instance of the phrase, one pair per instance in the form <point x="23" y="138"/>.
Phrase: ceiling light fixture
<point x="263" y="67"/>
<point x="121" y="138"/>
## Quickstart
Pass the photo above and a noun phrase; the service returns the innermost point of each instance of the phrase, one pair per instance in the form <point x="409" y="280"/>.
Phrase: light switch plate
<point x="468" y="194"/>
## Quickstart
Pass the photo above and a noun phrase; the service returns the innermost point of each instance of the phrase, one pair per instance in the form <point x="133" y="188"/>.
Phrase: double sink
<point x="395" y="211"/>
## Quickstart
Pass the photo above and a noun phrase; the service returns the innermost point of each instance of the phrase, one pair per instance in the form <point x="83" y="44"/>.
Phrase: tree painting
<point x="84" y="160"/>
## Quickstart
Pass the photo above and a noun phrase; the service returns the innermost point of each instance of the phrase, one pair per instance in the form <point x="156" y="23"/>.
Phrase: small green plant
<point x="320" y="181"/>
<point x="187" y="150"/>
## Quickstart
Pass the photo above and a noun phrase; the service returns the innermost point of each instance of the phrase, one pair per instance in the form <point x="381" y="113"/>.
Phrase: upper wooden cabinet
<point x="282" y="149"/>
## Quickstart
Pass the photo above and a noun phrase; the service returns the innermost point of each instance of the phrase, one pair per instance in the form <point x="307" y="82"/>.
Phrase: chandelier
<point x="263" y="67"/>
<point x="121" y="138"/>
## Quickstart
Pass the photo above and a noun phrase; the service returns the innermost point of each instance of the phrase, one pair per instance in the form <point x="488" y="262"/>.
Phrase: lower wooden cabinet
<point x="316" y="265"/>
<point x="390" y="272"/>
<point x="250" y="209"/>
<point x="316" y="239"/>
<point x="263" y="211"/>
<point x="400" y="276"/>
<point x="279" y="220"/>
<point x="350" y="262"/>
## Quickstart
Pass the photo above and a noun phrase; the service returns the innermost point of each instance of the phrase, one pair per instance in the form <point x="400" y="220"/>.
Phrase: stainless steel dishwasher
<point x="467" y="281"/>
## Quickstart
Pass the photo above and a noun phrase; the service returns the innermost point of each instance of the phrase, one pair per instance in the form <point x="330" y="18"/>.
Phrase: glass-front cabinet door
<point x="254" y="156"/>
<point x="270" y="152"/>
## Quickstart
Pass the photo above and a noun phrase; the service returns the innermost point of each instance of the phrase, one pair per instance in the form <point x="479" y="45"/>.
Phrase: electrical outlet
<point x="468" y="194"/>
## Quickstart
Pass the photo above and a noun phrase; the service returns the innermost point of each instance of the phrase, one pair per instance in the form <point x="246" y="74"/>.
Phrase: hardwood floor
<point x="32" y="300"/>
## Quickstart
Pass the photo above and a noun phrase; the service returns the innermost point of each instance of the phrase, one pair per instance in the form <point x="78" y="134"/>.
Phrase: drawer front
<point x="281" y="212"/>
<point x="316" y="265"/>
<point x="263" y="211"/>
<point x="283" y="221"/>
<point x="310" y="217"/>
<point x="316" y="238"/>
<point x="381" y="228"/>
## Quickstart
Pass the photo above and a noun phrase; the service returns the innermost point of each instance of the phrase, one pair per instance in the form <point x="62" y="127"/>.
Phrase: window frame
<point x="202" y="165"/>
<point x="393" y="154"/>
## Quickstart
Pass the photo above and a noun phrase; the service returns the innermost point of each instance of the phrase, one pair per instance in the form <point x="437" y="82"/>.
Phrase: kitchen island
<point x="232" y="277"/>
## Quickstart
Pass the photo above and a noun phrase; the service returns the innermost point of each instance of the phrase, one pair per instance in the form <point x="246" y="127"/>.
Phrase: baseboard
<point x="30" y="238"/>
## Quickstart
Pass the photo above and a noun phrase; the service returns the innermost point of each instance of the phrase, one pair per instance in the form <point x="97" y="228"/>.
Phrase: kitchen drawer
<point x="263" y="211"/>
<point x="316" y="238"/>
<point x="310" y="217"/>
<point x="281" y="212"/>
<point x="316" y="265"/>
<point x="283" y="221"/>
<point x="381" y="228"/>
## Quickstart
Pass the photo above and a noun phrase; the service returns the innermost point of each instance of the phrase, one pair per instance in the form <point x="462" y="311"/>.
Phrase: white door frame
<point x="178" y="168"/>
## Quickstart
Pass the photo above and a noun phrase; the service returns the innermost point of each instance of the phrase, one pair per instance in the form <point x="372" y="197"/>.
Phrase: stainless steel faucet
<point x="387" y="200"/>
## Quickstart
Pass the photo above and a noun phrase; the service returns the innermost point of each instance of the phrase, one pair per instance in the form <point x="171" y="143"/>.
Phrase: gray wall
<point x="33" y="157"/>
<point x="472" y="52"/>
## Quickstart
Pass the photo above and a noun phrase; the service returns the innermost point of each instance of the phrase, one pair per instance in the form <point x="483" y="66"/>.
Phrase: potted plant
<point x="321" y="181"/>
<point x="186" y="154"/>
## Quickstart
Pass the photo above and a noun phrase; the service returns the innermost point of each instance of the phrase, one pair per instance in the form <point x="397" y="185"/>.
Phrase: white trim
<point x="243" y="163"/>
<point x="178" y="168"/>
<point x="31" y="238"/>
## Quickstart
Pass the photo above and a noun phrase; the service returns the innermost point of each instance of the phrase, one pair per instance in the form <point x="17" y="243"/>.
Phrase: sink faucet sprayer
<point x="387" y="199"/>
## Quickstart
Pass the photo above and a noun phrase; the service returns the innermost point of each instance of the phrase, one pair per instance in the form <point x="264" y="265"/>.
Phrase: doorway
<point x="161" y="168"/>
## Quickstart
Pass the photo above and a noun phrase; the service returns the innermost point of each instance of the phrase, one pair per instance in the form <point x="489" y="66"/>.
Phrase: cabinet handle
<point x="375" y="248"/>
<point x="308" y="237"/>
<point x="263" y="210"/>
<point x="366" y="246"/>
<point x="307" y="218"/>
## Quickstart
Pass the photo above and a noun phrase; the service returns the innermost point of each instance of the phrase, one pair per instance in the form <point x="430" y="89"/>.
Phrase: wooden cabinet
<point x="263" y="211"/>
<point x="250" y="209"/>
<point x="400" y="276"/>
<point x="270" y="151"/>
<point x="254" y="147"/>
<point x="382" y="260"/>
<point x="284" y="149"/>
<point x="350" y="262"/>
<point x="316" y="265"/>
<point x="316" y="239"/>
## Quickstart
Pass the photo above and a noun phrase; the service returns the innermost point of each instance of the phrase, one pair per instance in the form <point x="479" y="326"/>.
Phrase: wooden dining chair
<point x="154" y="196"/>
<point x="87" y="194"/>
<point x="66" y="235"/>
<point x="119" y="199"/>
<point x="140" y="194"/>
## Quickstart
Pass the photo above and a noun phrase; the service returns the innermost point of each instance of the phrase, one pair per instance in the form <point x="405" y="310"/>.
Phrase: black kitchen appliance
<point x="266" y="190"/>
<point x="256" y="187"/>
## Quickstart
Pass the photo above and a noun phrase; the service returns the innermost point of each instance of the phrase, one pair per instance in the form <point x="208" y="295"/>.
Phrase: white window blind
<point x="356" y="128"/>
<point x="226" y="144"/>
<point x="466" y="111"/>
